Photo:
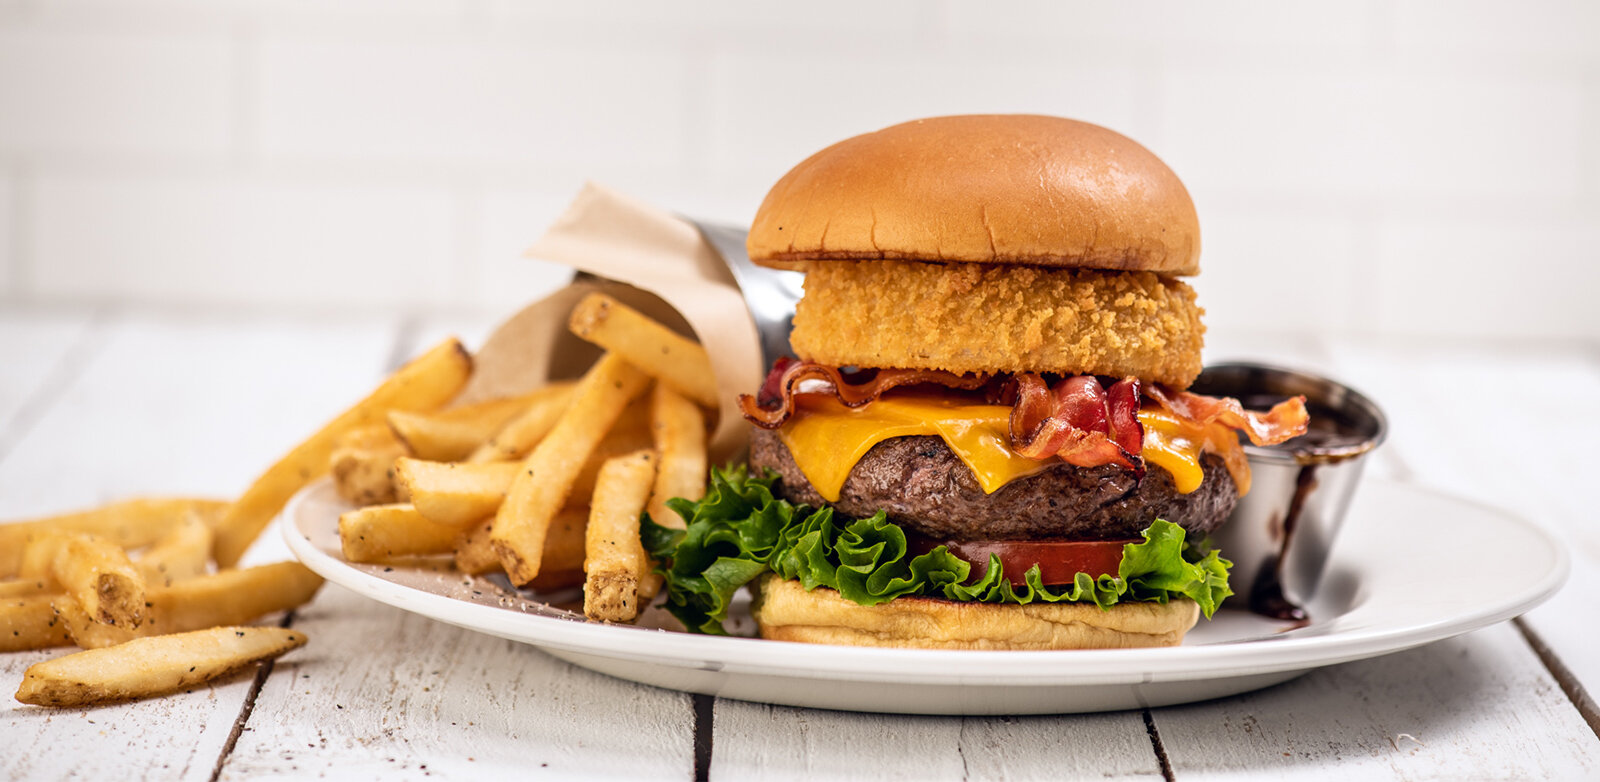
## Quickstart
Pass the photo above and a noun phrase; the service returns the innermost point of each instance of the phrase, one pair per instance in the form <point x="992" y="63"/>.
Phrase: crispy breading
<point x="968" y="317"/>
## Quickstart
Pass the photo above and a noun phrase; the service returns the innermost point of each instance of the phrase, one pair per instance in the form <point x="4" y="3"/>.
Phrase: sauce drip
<point x="1266" y="595"/>
<point x="1331" y="437"/>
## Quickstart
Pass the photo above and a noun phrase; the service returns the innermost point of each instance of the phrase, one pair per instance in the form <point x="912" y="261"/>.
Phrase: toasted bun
<point x="787" y="612"/>
<point x="1000" y="188"/>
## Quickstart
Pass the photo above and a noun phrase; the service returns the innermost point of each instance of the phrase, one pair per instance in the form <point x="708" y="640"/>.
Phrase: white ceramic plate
<point x="1406" y="570"/>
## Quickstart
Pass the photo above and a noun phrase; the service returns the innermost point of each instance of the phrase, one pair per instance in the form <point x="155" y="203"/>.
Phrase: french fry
<point x="379" y="533"/>
<point x="152" y="666"/>
<point x="426" y="383"/>
<point x="474" y="553"/>
<point x="30" y="623"/>
<point x="563" y="550"/>
<point x="655" y="349"/>
<point x="362" y="464"/>
<point x="519" y="436"/>
<point x="94" y="571"/>
<point x="679" y="430"/>
<point x="25" y="587"/>
<point x="452" y="435"/>
<point x="613" y="556"/>
<point x="129" y="524"/>
<point x="464" y="493"/>
<point x="542" y="487"/>
<point x="457" y="494"/>
<point x="183" y="553"/>
<point x="629" y="434"/>
<point x="227" y="597"/>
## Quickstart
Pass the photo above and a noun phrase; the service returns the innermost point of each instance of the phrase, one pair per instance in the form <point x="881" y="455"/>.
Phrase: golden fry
<point x="519" y="436"/>
<point x="227" y="597"/>
<point x="679" y="429"/>
<point x="464" y="493"/>
<point x="426" y="383"/>
<point x="613" y="555"/>
<point x="455" y="493"/>
<point x="129" y="524"/>
<point x="152" y="666"/>
<point x="655" y="349"/>
<point x="30" y="623"/>
<point x="26" y="587"/>
<point x="452" y="435"/>
<point x="183" y="553"/>
<point x="362" y="465"/>
<point x="379" y="533"/>
<point x="474" y="553"/>
<point x="94" y="571"/>
<point x="630" y="433"/>
<point x="563" y="551"/>
<point x="542" y="487"/>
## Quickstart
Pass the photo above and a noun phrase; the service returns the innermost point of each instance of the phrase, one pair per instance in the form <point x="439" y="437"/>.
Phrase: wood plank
<point x="189" y="404"/>
<point x="433" y="700"/>
<point x="1482" y="705"/>
<point x="1474" y="707"/>
<point x="1504" y="424"/>
<point x="384" y="693"/>
<point x="194" y="404"/>
<point x="758" y="741"/>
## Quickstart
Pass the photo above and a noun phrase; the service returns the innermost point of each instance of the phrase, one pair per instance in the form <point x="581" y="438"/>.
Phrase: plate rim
<point x="755" y="656"/>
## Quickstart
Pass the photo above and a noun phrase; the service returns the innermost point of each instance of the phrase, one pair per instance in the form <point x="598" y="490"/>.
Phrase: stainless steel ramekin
<point x="1281" y="532"/>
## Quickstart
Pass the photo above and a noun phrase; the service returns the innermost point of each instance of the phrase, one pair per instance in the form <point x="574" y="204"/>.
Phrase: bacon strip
<point x="1285" y="420"/>
<point x="776" y="401"/>
<point x="1078" y="420"/>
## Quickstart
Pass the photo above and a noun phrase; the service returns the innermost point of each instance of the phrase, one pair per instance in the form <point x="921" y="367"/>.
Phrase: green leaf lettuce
<point x="740" y="530"/>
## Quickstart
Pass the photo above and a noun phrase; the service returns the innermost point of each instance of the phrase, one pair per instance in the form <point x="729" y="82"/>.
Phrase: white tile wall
<point x="771" y="110"/>
<point x="8" y="261"/>
<point x="1542" y="28"/>
<point x="67" y="91"/>
<point x="1491" y="278"/>
<point x="231" y="240"/>
<point x="1247" y="251"/>
<point x="1151" y="28"/>
<point x="507" y="223"/>
<point x="401" y="154"/>
<point x="470" y="102"/>
<point x="1372" y="131"/>
<point x="815" y="20"/>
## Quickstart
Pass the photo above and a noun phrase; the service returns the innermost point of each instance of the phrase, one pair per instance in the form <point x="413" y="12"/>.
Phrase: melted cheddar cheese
<point x="1175" y="445"/>
<point x="827" y="439"/>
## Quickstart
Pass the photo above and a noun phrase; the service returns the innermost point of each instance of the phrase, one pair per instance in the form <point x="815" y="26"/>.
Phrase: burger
<point x="984" y="438"/>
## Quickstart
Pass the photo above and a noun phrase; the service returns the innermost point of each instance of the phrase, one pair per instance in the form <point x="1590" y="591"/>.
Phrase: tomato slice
<point x="1059" y="561"/>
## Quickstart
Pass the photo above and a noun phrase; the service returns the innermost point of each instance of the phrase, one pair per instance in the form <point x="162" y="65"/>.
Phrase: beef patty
<point x="925" y="487"/>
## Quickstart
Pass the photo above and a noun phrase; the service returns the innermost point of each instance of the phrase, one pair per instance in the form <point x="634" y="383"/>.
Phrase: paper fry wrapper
<point x="650" y="260"/>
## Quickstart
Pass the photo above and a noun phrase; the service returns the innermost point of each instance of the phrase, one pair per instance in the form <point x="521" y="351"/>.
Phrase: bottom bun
<point x="787" y="612"/>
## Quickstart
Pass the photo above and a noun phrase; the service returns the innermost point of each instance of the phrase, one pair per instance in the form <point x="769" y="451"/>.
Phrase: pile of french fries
<point x="150" y="588"/>
<point x="547" y="487"/>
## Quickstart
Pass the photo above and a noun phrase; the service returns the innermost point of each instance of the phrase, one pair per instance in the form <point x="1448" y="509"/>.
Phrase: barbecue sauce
<point x="1330" y="438"/>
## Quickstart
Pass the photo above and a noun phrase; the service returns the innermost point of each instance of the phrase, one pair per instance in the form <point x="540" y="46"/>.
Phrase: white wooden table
<point x="100" y="404"/>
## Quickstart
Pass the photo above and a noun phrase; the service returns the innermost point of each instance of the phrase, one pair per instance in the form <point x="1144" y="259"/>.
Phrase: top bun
<point x="996" y="188"/>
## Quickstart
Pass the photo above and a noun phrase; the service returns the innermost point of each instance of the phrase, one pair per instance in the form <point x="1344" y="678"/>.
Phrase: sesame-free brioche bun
<point x="999" y="188"/>
<point x="787" y="612"/>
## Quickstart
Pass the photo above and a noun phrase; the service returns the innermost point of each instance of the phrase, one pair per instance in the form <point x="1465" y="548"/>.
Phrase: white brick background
<point x="1390" y="167"/>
